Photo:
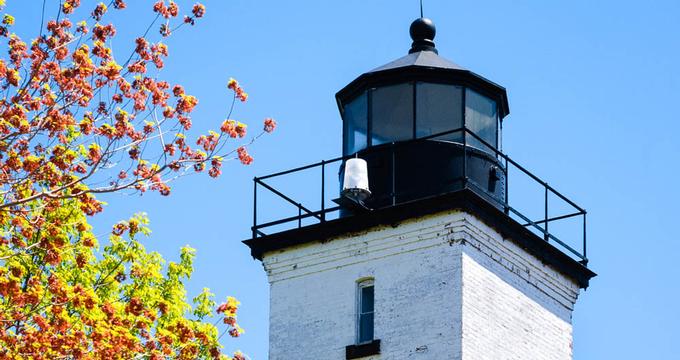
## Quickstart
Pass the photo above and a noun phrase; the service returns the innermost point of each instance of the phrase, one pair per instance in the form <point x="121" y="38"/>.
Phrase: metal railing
<point x="540" y="226"/>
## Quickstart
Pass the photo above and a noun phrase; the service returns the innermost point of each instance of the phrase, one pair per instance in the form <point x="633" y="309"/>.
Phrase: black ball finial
<point x="423" y="32"/>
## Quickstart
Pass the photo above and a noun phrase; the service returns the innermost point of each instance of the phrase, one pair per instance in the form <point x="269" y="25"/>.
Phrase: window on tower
<point x="365" y="311"/>
<point x="392" y="113"/>
<point x="366" y="344"/>
<point x="481" y="117"/>
<point x="439" y="108"/>
<point x="356" y="125"/>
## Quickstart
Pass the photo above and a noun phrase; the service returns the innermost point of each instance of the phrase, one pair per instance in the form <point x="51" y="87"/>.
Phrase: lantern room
<point x="424" y="125"/>
<point x="421" y="135"/>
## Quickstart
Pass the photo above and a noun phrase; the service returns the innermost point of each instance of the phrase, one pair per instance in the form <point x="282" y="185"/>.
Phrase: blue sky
<point x="594" y="89"/>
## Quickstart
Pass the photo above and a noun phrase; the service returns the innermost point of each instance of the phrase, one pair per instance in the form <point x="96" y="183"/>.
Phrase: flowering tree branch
<point x="75" y="123"/>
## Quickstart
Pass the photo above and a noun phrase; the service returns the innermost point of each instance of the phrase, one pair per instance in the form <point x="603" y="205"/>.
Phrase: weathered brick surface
<point x="446" y="287"/>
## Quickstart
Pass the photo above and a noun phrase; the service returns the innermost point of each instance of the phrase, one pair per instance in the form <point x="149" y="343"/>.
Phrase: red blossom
<point x="3" y="69"/>
<point x="215" y="169"/>
<point x="165" y="30"/>
<point x="243" y="156"/>
<point x="173" y="9"/>
<point x="101" y="33"/>
<point x="134" y="153"/>
<point x="82" y="28"/>
<point x="178" y="90"/>
<point x="269" y="125"/>
<point x="69" y="6"/>
<point x="239" y="93"/>
<point x="137" y="67"/>
<point x="148" y="128"/>
<point x="186" y="104"/>
<point x="185" y="121"/>
<point x="119" y="4"/>
<point x="101" y="108"/>
<point x="99" y="11"/>
<point x="160" y="49"/>
<point x="119" y="229"/>
<point x="110" y="70"/>
<point x="240" y="129"/>
<point x="209" y="142"/>
<point x="8" y="20"/>
<point x="94" y="153"/>
<point x="13" y="77"/>
<point x="168" y="112"/>
<point x="232" y="84"/>
<point x="198" y="10"/>
<point x="135" y="306"/>
<point x="100" y="50"/>
<point x="159" y="7"/>
<point x="170" y="149"/>
<point x="80" y="168"/>
<point x="124" y="85"/>
<point x="229" y="127"/>
<point x="142" y="48"/>
<point x="17" y="50"/>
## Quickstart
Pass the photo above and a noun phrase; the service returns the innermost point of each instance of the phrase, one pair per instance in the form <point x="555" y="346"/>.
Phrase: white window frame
<point x="361" y="284"/>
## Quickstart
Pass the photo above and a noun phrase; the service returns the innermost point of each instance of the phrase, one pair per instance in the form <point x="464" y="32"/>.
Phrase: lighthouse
<point x="422" y="252"/>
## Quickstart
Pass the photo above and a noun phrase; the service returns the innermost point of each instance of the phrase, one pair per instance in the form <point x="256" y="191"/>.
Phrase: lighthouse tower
<point x="423" y="253"/>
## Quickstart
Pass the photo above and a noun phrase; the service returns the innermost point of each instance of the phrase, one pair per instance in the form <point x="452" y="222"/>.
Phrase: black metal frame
<point x="425" y="74"/>
<point x="414" y="88"/>
<point x="320" y="215"/>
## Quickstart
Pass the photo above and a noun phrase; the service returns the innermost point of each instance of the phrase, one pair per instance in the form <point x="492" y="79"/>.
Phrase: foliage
<point x="74" y="123"/>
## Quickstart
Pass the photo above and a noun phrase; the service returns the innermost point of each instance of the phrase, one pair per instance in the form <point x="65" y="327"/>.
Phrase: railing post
<point x="507" y="187"/>
<point x="464" y="155"/>
<point x="585" y="251"/>
<point x="299" y="215"/>
<point x="546" y="235"/>
<point x="254" y="207"/>
<point x="394" y="190"/>
<point x="323" y="190"/>
<point x="463" y="112"/>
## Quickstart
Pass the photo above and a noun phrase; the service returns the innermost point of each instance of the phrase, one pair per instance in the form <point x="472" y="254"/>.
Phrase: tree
<point x="76" y="122"/>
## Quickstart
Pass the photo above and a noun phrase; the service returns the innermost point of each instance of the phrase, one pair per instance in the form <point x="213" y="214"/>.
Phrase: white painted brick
<point x="446" y="287"/>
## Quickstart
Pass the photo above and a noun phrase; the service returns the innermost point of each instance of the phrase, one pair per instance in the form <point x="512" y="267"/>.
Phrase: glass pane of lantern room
<point x="355" y="123"/>
<point x="439" y="108"/>
<point x="392" y="114"/>
<point x="480" y="118"/>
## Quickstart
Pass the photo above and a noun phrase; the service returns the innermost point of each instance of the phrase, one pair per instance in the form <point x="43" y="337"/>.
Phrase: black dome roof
<point x="423" y="63"/>
<point x="420" y="58"/>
